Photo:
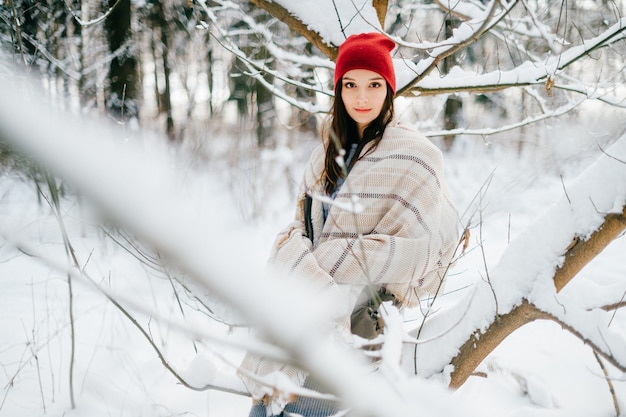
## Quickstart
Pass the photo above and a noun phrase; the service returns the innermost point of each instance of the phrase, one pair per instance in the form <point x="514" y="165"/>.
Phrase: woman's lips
<point x="362" y="110"/>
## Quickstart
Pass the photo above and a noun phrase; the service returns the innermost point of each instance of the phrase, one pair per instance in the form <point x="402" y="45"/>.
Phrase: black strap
<point x="308" y="222"/>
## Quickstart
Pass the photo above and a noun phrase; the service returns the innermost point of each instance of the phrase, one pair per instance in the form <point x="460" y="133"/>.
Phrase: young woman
<point x="401" y="241"/>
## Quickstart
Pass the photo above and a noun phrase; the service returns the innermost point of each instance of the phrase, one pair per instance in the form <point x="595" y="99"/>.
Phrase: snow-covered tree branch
<point x="534" y="269"/>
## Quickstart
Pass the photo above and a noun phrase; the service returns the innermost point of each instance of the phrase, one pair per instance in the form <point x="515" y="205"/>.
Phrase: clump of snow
<point x="335" y="20"/>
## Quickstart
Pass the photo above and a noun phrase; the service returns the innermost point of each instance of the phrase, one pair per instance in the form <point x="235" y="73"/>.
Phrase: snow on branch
<point x="527" y="73"/>
<point x="334" y="20"/>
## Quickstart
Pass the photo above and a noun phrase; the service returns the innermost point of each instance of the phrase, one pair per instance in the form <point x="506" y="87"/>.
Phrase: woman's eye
<point x="375" y="85"/>
<point x="349" y="85"/>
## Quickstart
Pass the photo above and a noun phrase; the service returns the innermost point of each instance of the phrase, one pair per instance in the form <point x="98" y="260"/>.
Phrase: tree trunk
<point x="209" y="76"/>
<point x="265" y="113"/>
<point x="162" y="46"/>
<point x="453" y="111"/>
<point x="123" y="75"/>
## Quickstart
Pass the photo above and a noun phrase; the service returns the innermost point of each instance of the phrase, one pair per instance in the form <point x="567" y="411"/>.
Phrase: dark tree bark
<point x="123" y="76"/>
<point x="251" y="95"/>
<point x="453" y="111"/>
<point x="160" y="48"/>
<point x="265" y="112"/>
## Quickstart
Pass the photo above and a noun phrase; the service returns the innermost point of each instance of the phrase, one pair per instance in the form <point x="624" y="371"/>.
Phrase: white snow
<point x="335" y="20"/>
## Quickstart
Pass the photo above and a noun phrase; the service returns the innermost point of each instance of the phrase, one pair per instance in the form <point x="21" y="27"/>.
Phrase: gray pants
<point x="304" y="406"/>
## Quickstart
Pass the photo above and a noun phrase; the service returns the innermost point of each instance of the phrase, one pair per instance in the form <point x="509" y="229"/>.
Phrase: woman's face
<point x="363" y="93"/>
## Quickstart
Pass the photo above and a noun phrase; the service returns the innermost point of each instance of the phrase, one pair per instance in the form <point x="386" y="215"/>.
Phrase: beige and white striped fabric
<point x="409" y="227"/>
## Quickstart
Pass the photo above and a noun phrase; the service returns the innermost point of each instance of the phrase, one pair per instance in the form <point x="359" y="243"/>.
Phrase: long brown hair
<point x="341" y="132"/>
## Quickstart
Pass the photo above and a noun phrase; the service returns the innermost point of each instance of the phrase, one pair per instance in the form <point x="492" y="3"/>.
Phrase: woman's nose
<point x="361" y="96"/>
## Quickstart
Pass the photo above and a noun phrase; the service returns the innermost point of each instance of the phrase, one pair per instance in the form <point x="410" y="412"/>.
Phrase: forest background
<point x="151" y="150"/>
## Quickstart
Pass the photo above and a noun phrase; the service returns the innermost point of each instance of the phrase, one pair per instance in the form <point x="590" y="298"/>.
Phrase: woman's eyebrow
<point x="371" y="79"/>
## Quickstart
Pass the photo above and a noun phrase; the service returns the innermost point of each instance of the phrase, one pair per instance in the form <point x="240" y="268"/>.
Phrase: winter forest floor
<point x="539" y="371"/>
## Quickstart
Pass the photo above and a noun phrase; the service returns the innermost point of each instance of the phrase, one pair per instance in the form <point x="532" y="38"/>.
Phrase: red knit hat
<point x="370" y="51"/>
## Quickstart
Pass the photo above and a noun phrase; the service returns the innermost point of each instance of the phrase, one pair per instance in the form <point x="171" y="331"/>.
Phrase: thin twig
<point x="55" y="204"/>
<point x="565" y="190"/>
<point x="609" y="382"/>
<point x="616" y="306"/>
<point x="611" y="156"/>
<point x="33" y="347"/>
<point x="482" y="251"/>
